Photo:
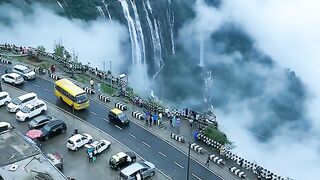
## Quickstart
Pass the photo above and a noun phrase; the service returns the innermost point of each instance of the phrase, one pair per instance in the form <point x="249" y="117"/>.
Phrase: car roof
<point x="41" y="117"/>
<point x="35" y="104"/>
<point x="119" y="155"/>
<point x="20" y="66"/>
<point x="76" y="137"/>
<point x="27" y="95"/>
<point x="54" y="122"/>
<point x="132" y="168"/>
<point x="2" y="93"/>
<point x="14" y="75"/>
<point x="116" y="111"/>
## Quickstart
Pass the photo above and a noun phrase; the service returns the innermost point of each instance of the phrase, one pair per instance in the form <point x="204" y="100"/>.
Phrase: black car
<point x="122" y="159"/>
<point x="52" y="129"/>
<point x="40" y="121"/>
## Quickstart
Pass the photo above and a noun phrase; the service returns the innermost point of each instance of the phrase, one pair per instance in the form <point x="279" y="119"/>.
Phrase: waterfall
<point x="170" y="17"/>
<point x="154" y="30"/>
<point x="139" y="32"/>
<point x="65" y="3"/>
<point x="60" y="5"/>
<point x="106" y="6"/>
<point x="139" y="66"/>
<point x="208" y="83"/>
<point x="201" y="64"/>
<point x="101" y="12"/>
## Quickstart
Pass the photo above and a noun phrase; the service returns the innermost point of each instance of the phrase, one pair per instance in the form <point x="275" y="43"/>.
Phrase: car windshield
<point x="81" y="98"/>
<point x="25" y="109"/>
<point x="46" y="128"/>
<point x="70" y="142"/>
<point x="113" y="161"/>
<point x="145" y="165"/>
<point x="16" y="101"/>
<point x="122" y="117"/>
<point x="27" y="71"/>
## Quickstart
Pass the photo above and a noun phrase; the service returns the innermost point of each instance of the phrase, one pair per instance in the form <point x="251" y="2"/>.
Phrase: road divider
<point x="197" y="148"/>
<point x="238" y="172"/>
<point x="216" y="159"/>
<point x="137" y="115"/>
<point x="120" y="106"/>
<point x="104" y="98"/>
<point x="178" y="138"/>
<point x="55" y="76"/>
<point x="89" y="90"/>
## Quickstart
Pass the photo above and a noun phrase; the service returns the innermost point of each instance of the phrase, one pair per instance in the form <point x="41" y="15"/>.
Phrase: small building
<point x="23" y="160"/>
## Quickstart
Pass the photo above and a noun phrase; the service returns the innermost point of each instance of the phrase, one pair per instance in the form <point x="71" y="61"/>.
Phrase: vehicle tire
<point x="6" y="103"/>
<point x="25" y="78"/>
<point x="13" y="83"/>
<point x="63" y="131"/>
<point x="43" y="111"/>
<point x="90" y="141"/>
<point x="76" y="149"/>
<point x="27" y="119"/>
<point x="46" y="138"/>
<point x="151" y="174"/>
<point x="18" y="109"/>
<point x="2" y="80"/>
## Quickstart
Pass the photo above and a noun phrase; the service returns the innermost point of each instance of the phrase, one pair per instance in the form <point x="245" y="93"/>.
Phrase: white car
<point x="5" y="98"/>
<point x="24" y="71"/>
<point x="12" y="78"/>
<point x="99" y="146"/>
<point x="31" y="110"/>
<point x="78" y="140"/>
<point x="18" y="103"/>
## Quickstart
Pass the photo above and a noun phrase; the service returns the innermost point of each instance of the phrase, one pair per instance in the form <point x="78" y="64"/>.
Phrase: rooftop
<point x="21" y="160"/>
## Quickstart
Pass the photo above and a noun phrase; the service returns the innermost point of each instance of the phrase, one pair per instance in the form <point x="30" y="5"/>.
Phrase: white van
<point x="18" y="103"/>
<point x="5" y="98"/>
<point x="24" y="71"/>
<point x="31" y="110"/>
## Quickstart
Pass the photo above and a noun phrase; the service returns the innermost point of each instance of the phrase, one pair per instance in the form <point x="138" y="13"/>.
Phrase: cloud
<point x="93" y="41"/>
<point x="269" y="112"/>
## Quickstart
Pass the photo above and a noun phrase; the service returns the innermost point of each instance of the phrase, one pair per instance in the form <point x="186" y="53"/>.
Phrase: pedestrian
<point x="92" y="83"/>
<point x="150" y="119"/>
<point x="155" y="118"/>
<point x="6" y="71"/>
<point x="208" y="160"/>
<point x="147" y="117"/>
<point x="0" y="86"/>
<point x="160" y="118"/>
<point x="98" y="86"/>
<point x="173" y="121"/>
<point x="190" y="122"/>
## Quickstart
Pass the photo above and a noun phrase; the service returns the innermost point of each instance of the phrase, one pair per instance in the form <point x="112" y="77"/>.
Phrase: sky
<point x="289" y="32"/>
<point x="94" y="41"/>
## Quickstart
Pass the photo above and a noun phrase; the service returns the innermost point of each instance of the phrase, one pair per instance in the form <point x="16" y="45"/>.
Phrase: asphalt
<point x="166" y="158"/>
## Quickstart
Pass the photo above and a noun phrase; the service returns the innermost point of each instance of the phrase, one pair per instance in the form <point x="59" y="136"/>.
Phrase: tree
<point x="59" y="49"/>
<point x="216" y="135"/>
<point x="41" y="48"/>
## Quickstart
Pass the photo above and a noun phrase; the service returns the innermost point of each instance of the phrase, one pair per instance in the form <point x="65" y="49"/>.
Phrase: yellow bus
<point x="71" y="94"/>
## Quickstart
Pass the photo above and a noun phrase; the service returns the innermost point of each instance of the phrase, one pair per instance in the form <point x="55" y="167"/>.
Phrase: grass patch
<point x="106" y="89"/>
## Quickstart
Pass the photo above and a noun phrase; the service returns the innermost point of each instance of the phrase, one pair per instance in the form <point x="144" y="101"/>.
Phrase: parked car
<point x="78" y="140"/>
<point x="40" y="121"/>
<point x="4" y="126"/>
<point x="122" y="159"/>
<point x="99" y="146"/>
<point x="24" y="71"/>
<point x="53" y="128"/>
<point x="31" y="110"/>
<point x="117" y="116"/>
<point x="18" y="103"/>
<point x="5" y="98"/>
<point x="144" y="169"/>
<point x="12" y="78"/>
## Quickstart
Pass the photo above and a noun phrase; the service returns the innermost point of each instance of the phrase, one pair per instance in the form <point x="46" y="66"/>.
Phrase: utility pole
<point x="188" y="168"/>
<point x="73" y="115"/>
<point x="111" y="77"/>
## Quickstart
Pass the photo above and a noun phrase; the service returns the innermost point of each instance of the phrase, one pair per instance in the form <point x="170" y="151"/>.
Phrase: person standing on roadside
<point x="208" y="160"/>
<point x="92" y="83"/>
<point x="190" y="122"/>
<point x="160" y="119"/>
<point x="150" y="119"/>
<point x="98" y="87"/>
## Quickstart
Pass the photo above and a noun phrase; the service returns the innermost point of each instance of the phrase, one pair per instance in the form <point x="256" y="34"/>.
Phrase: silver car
<point x="144" y="169"/>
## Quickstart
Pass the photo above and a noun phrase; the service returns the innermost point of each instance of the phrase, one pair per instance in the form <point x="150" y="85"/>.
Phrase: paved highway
<point x="167" y="158"/>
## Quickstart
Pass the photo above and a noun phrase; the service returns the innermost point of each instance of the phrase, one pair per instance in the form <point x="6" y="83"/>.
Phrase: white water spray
<point x="60" y="6"/>
<point x="201" y="64"/>
<point x="170" y="17"/>
<point x="106" y="6"/>
<point x="101" y="12"/>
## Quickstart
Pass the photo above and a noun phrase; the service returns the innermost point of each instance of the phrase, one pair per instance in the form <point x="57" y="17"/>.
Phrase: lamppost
<point x="188" y="167"/>
<point x="110" y="77"/>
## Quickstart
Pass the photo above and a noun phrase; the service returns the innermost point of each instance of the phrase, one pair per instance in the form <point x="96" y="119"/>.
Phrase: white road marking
<point x="196" y="176"/>
<point x="106" y="119"/>
<point x="132" y="135"/>
<point x="162" y="154"/>
<point x="146" y="144"/>
<point x="47" y="90"/>
<point x="178" y="165"/>
<point x="93" y="113"/>
<point x="36" y="85"/>
<point x="118" y="127"/>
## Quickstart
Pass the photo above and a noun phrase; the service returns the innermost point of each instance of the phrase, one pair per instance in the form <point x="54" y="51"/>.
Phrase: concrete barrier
<point x="104" y="97"/>
<point x="55" y="76"/>
<point x="197" y="148"/>
<point x="178" y="138"/>
<point x="137" y="115"/>
<point x="5" y="61"/>
<point x="120" y="106"/>
<point x="216" y="159"/>
<point x="238" y="172"/>
<point x="89" y="90"/>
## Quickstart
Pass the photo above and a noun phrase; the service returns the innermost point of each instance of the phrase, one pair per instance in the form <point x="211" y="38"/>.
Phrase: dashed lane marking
<point x="146" y="144"/>
<point x="36" y="85"/>
<point x="162" y="154"/>
<point x="179" y="165"/>
<point x="106" y="119"/>
<point x="118" y="127"/>
<point x="47" y="90"/>
<point x="132" y="135"/>
<point x="93" y="113"/>
<point x="196" y="176"/>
